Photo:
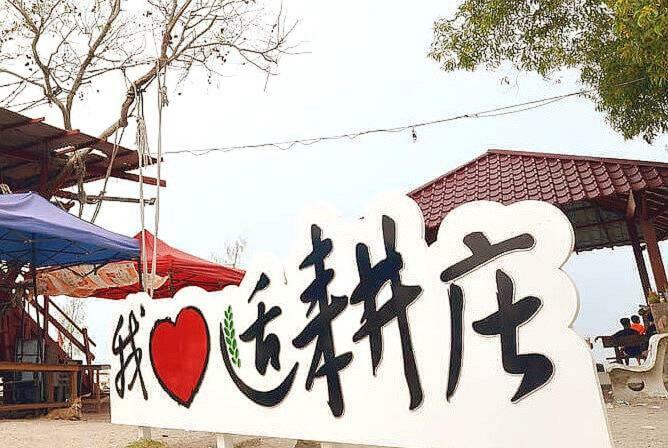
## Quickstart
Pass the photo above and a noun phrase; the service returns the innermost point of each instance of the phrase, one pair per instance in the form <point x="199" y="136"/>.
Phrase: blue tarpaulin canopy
<point x="34" y="231"/>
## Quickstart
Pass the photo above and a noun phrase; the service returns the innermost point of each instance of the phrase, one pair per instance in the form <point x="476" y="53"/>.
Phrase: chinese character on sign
<point x="536" y="369"/>
<point x="320" y="327"/>
<point x="125" y="348"/>
<point x="374" y="319"/>
<point x="267" y="349"/>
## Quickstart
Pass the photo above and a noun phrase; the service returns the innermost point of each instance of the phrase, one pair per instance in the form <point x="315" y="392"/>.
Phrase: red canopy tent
<point x="181" y="270"/>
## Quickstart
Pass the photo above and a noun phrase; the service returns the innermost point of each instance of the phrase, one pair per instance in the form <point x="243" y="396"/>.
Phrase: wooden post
<point x="46" y="318"/>
<point x="89" y="358"/>
<point x="86" y="341"/>
<point x="654" y="253"/>
<point x="74" y="387"/>
<point x="655" y="260"/>
<point x="640" y="260"/>
<point x="97" y="391"/>
<point x="48" y="385"/>
<point x="44" y="173"/>
<point x="4" y="334"/>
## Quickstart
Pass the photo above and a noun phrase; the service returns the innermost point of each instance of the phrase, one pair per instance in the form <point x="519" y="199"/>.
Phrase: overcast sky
<point x="365" y="67"/>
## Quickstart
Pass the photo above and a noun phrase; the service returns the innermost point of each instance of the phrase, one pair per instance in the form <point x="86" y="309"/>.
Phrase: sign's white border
<point x="567" y="411"/>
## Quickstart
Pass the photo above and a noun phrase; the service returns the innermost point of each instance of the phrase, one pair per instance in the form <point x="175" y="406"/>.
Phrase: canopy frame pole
<point x="653" y="250"/>
<point x="41" y="340"/>
<point x="33" y="273"/>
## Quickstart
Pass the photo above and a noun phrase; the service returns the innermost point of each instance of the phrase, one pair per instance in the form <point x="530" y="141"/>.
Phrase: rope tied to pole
<point x="141" y="141"/>
<point x="163" y="101"/>
<point x="144" y="154"/>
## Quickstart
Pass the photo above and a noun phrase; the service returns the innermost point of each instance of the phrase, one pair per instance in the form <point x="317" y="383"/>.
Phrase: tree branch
<point x="113" y="15"/>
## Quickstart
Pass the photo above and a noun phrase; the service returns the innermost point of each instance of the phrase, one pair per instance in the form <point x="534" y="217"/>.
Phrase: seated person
<point x="632" y="351"/>
<point x="651" y="326"/>
<point x="637" y="325"/>
<point x="650" y="331"/>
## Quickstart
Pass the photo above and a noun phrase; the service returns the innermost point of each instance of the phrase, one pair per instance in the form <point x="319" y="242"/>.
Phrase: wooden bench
<point x="631" y="382"/>
<point x="619" y="343"/>
<point x="49" y="369"/>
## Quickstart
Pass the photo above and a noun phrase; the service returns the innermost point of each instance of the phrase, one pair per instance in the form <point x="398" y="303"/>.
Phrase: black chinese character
<point x="372" y="280"/>
<point x="482" y="252"/>
<point x="536" y="369"/>
<point x="119" y="346"/>
<point x="267" y="349"/>
<point x="320" y="327"/>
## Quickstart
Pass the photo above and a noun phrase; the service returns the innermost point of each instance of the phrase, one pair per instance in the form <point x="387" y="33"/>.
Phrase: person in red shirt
<point x="636" y="325"/>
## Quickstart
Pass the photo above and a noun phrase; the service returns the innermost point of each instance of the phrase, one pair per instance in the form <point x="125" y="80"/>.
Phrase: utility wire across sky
<point x="495" y="112"/>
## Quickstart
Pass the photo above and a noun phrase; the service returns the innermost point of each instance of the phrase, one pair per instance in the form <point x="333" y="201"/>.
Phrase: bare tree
<point x="77" y="310"/>
<point x="56" y="51"/>
<point x="234" y="251"/>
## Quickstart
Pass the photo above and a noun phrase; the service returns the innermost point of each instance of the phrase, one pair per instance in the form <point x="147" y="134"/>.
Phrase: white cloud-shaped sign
<point x="366" y="335"/>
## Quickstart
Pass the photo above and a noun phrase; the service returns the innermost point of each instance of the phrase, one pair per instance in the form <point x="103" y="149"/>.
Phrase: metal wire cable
<point x="494" y="112"/>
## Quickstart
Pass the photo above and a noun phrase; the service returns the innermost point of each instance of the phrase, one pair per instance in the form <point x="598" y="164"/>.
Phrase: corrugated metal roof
<point x="592" y="191"/>
<point x="26" y="142"/>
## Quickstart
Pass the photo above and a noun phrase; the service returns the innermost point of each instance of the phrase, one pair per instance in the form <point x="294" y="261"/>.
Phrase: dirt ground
<point x="639" y="425"/>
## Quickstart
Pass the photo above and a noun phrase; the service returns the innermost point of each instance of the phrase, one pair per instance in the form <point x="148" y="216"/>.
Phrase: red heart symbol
<point x="179" y="354"/>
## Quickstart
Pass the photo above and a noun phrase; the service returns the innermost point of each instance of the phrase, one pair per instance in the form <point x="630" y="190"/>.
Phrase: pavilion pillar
<point x="637" y="253"/>
<point x="652" y="243"/>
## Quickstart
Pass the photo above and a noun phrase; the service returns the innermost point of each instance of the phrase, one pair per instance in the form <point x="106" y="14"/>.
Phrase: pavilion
<point x="609" y="202"/>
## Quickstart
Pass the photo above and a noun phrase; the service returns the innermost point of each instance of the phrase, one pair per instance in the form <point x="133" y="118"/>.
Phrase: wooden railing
<point x="83" y="343"/>
<point x="48" y="370"/>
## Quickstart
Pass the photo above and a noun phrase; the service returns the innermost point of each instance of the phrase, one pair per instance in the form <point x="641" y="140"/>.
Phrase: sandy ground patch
<point x="639" y="425"/>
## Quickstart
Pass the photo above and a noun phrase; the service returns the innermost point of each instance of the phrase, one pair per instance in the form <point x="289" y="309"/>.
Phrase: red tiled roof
<point x="510" y="176"/>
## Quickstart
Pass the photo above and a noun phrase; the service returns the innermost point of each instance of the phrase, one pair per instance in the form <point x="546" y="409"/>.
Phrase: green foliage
<point x="653" y="297"/>
<point x="230" y="336"/>
<point x="620" y="48"/>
